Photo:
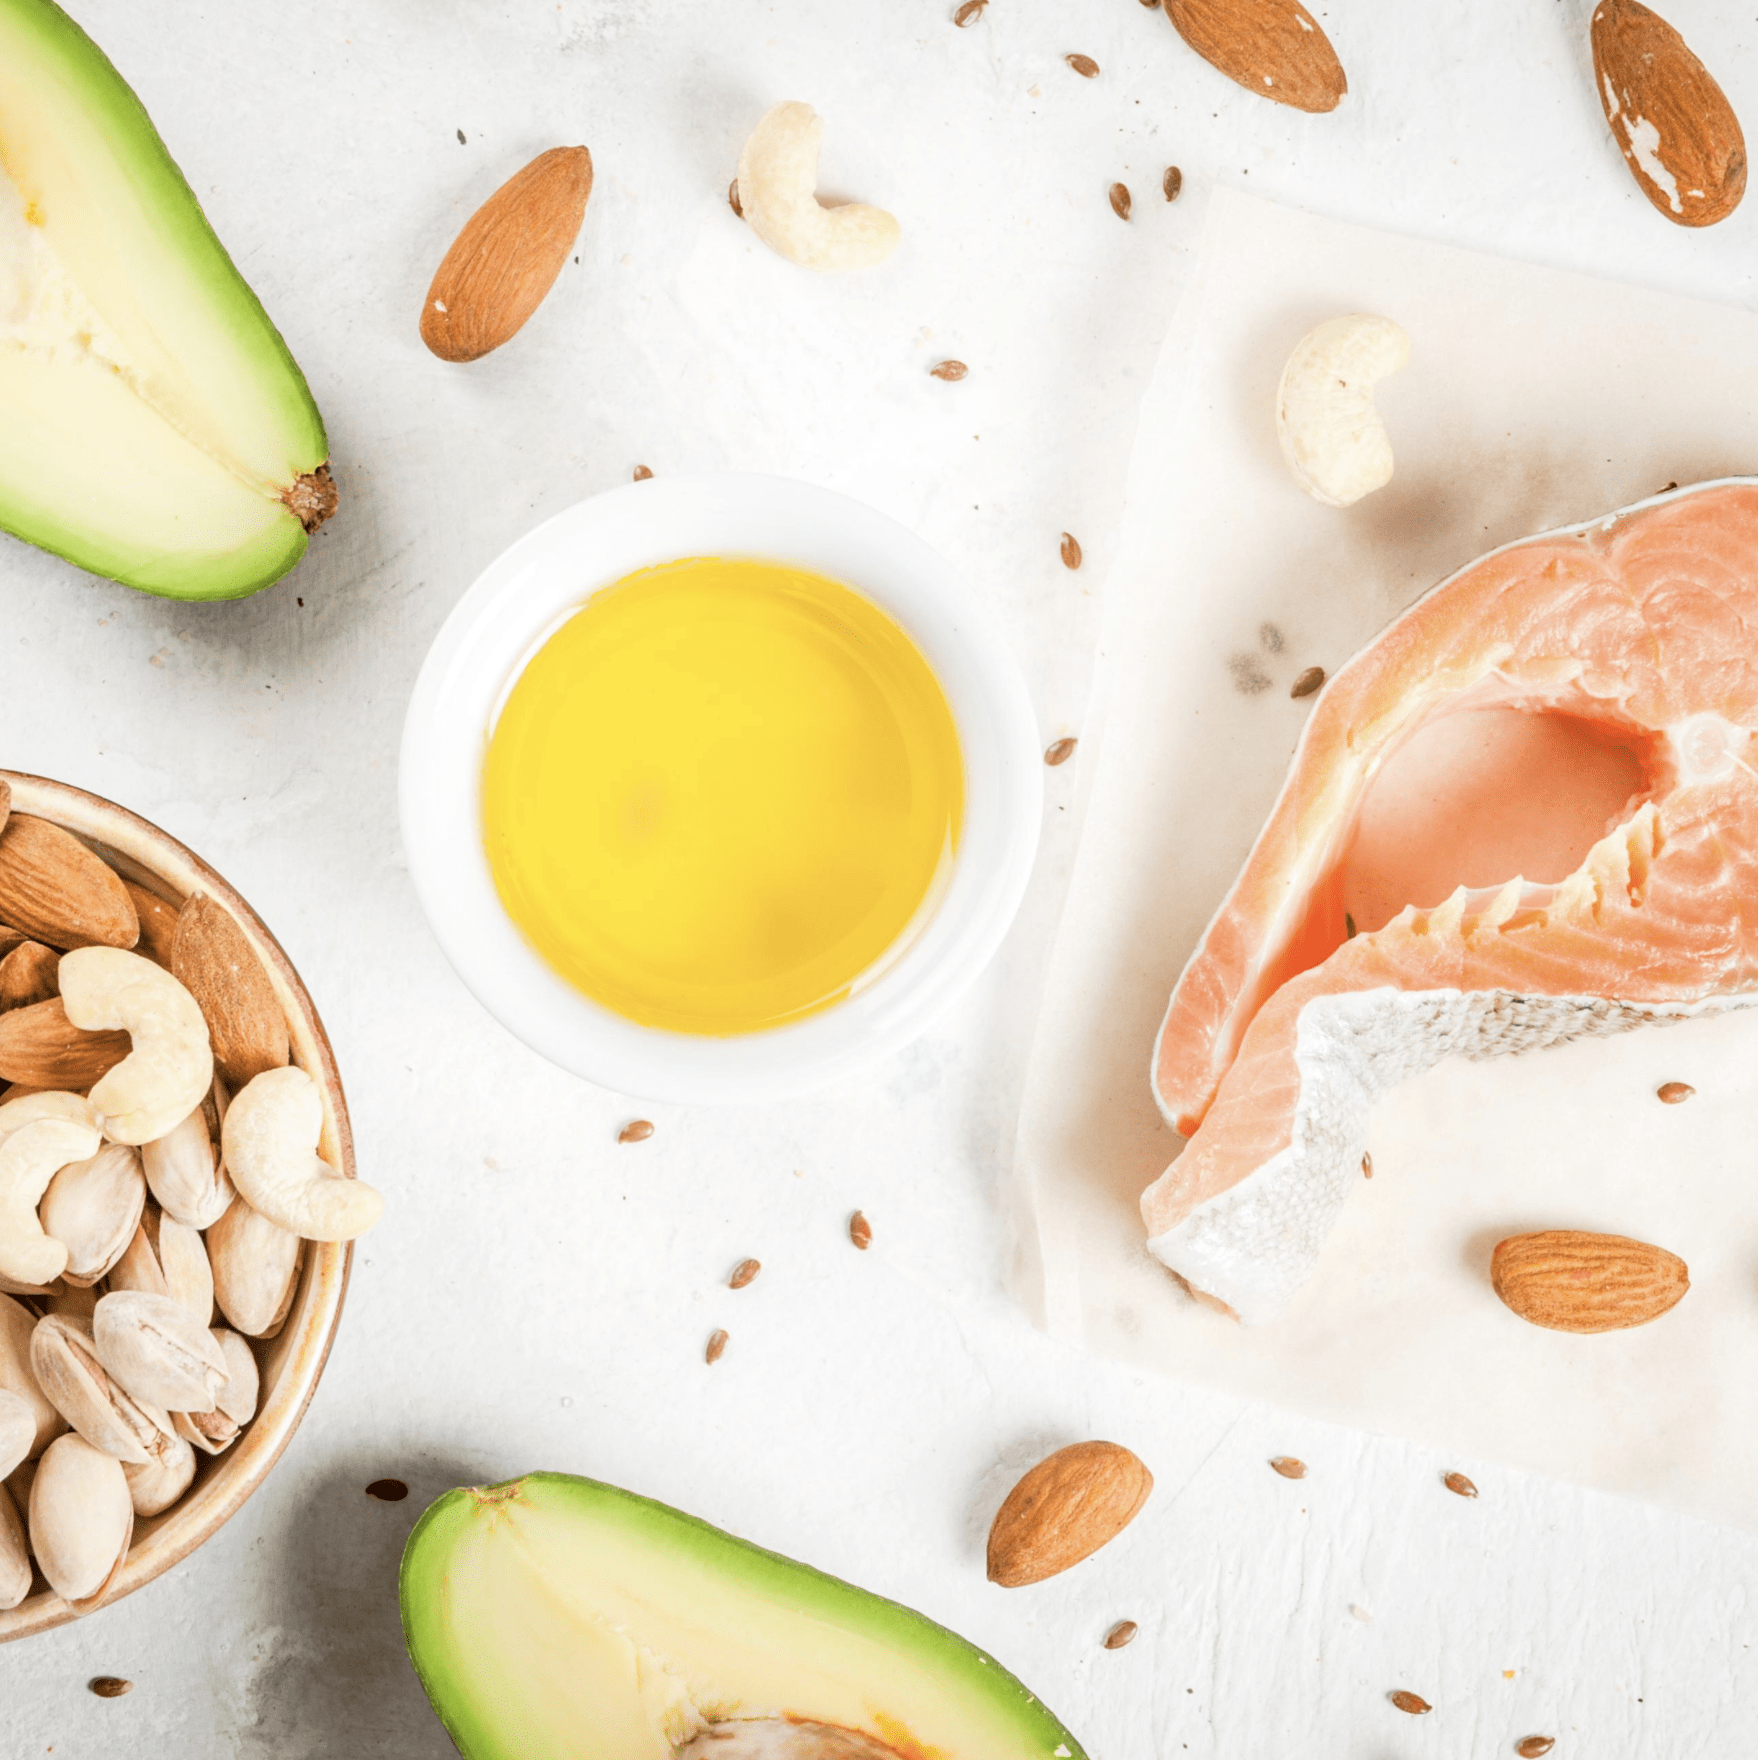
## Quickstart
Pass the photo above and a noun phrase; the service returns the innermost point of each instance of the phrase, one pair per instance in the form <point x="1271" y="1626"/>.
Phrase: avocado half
<point x="556" y="1618"/>
<point x="153" y="426"/>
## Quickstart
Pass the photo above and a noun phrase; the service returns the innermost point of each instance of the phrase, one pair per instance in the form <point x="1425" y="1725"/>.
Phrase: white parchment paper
<point x="1533" y="399"/>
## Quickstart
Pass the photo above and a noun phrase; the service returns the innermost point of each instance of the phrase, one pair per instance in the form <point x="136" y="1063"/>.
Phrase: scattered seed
<point x="744" y="1272"/>
<point x="388" y="1490"/>
<point x="951" y="371"/>
<point x="969" y="13"/>
<point x="1459" y="1485"/>
<point x="716" y="1345"/>
<point x="461" y="140"/>
<point x="637" y="1130"/>
<point x="642" y="473"/>
<point x="1349" y="929"/>
<point x="1361" y="1614"/>
<point x="1173" y="182"/>
<point x="1120" y="200"/>
<point x="1084" y="65"/>
<point x="732" y="198"/>
<point x="1532" y="1747"/>
<point x="1671" y="1093"/>
<point x="1070" y="550"/>
<point x="1666" y="489"/>
<point x="860" y="1231"/>
<point x="113" y="1686"/>
<point x="1414" y="1703"/>
<point x="1120" y="1634"/>
<point x="1308" y="682"/>
<point x="1060" y="752"/>
<point x="1289" y="1467"/>
<point x="1367" y="1164"/>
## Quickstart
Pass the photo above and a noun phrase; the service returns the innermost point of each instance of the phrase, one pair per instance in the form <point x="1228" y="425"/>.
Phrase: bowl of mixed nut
<point x="177" y="1199"/>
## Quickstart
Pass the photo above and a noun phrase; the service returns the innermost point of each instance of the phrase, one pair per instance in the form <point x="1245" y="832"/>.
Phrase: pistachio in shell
<point x="81" y="1519"/>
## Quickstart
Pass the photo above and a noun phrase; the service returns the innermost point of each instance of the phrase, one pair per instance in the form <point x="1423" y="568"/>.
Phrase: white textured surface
<point x="537" y="1295"/>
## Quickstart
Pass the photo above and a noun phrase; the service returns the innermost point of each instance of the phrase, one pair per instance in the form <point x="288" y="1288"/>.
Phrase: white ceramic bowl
<point x="536" y="585"/>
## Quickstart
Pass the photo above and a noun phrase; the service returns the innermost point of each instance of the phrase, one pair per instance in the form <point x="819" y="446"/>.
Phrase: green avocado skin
<point x="426" y="1600"/>
<point x="57" y="50"/>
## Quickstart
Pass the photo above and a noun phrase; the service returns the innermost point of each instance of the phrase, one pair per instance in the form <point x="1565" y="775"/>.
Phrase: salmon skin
<point x="1641" y="630"/>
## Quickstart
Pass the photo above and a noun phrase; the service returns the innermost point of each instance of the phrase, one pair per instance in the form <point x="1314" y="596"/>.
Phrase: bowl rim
<point x="143" y="852"/>
<point x="523" y="595"/>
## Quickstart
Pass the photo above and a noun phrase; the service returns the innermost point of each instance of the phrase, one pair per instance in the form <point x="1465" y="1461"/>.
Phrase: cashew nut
<point x="778" y="181"/>
<point x="50" y="1103"/>
<point x="162" y="1080"/>
<point x="269" y="1144"/>
<point x="30" y="1157"/>
<point x="1332" y="436"/>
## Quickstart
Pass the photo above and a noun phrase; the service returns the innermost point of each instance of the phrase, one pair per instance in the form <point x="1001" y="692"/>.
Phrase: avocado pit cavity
<point x="776" y="1738"/>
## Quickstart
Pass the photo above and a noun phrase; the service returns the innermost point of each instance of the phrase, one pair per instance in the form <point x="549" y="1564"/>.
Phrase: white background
<point x="538" y="1296"/>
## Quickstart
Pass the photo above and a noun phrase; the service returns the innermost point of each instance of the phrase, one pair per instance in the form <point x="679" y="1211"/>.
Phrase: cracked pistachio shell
<point x="13" y="1286"/>
<point x="92" y="1208"/>
<point x="15" y="1557"/>
<point x="17" y="1323"/>
<point x="81" y="1519"/>
<point x="159" y="1351"/>
<point x="167" y="1258"/>
<point x="158" y="1484"/>
<point x="67" y="1369"/>
<point x="219" y="1429"/>
<point x="18" y="1430"/>
<point x="184" y="1173"/>
<point x="256" y="1270"/>
<point x="238" y="1397"/>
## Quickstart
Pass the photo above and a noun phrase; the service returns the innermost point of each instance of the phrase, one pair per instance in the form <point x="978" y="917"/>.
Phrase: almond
<point x="1272" y="47"/>
<point x="1576" y="1282"/>
<point x="1672" y="122"/>
<point x="27" y="975"/>
<point x="507" y="257"/>
<point x="55" y="890"/>
<point x="158" y="923"/>
<point x="1064" y="1510"/>
<point x="41" y="1048"/>
<point x="212" y="960"/>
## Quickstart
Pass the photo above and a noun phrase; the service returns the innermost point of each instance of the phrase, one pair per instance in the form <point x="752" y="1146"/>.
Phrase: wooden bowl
<point x="292" y="1361"/>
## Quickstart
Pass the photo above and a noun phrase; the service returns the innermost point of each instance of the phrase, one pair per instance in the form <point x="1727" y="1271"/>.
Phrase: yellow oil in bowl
<point x="722" y="795"/>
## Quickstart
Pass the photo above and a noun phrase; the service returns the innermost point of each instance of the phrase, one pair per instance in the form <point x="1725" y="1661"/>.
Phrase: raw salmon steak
<point x="1526" y="813"/>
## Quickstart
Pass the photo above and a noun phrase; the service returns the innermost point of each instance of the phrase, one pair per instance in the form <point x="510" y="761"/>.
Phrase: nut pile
<point x="134" y="1036"/>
